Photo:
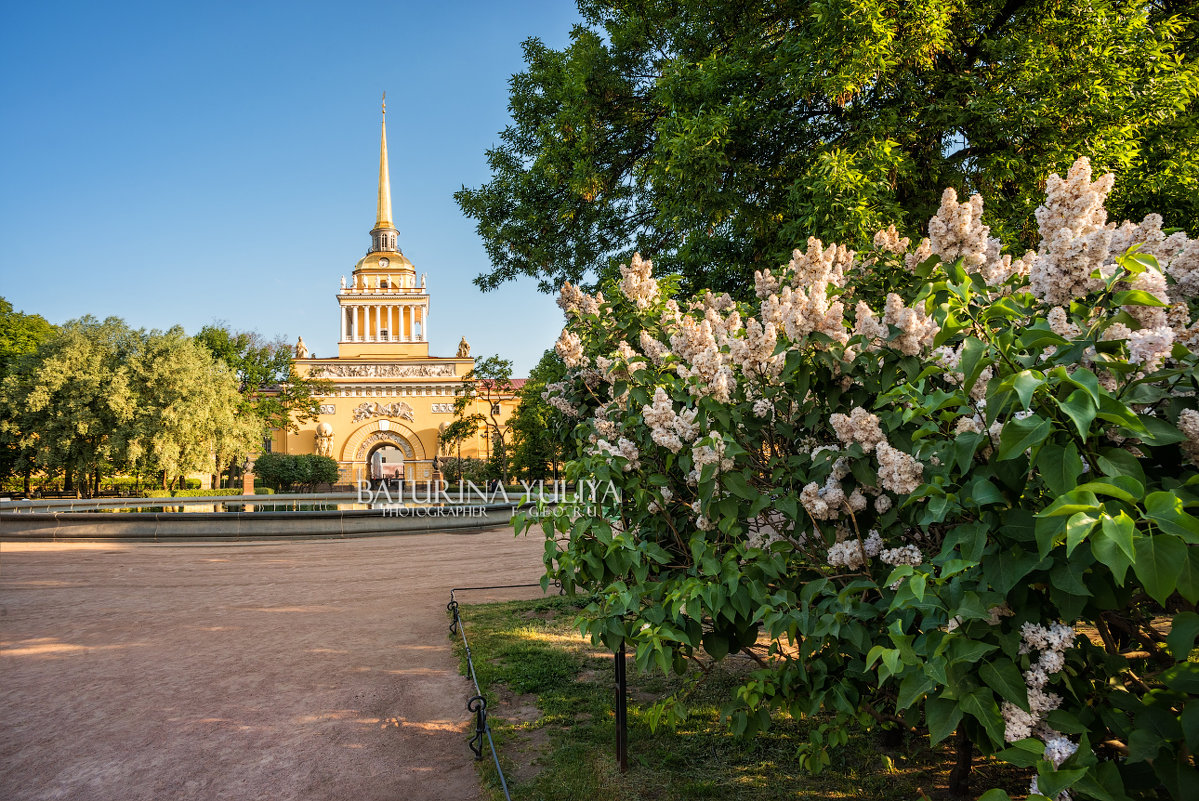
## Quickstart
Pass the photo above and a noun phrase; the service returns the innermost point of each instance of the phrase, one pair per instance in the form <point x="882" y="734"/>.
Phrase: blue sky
<point x="176" y="163"/>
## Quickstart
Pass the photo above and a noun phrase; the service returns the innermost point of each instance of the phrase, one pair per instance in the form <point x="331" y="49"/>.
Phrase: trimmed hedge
<point x="202" y="493"/>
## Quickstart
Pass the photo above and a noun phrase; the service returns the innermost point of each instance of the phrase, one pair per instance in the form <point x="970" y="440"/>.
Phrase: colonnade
<point x="402" y="322"/>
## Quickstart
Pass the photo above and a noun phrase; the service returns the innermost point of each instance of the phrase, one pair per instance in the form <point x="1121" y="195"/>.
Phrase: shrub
<point x="953" y="490"/>
<point x="303" y="472"/>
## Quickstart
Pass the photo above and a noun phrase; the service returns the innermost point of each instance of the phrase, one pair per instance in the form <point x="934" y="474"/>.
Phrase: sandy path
<point x="280" y="670"/>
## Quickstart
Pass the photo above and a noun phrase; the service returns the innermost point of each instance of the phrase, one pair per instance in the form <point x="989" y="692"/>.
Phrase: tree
<point x="538" y="435"/>
<point x="68" y="405"/>
<point x="486" y="385"/>
<point x="100" y="397"/>
<point x="20" y="335"/>
<point x="720" y="134"/>
<point x="266" y="374"/>
<point x="188" y="413"/>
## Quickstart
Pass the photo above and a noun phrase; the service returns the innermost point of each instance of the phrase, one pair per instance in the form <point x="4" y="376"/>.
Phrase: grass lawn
<point x="550" y="696"/>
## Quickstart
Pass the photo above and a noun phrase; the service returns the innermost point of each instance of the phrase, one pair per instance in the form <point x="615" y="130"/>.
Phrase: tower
<point x="384" y="310"/>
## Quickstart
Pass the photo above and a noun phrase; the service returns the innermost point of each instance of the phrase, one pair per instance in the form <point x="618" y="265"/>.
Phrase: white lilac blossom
<point x="882" y="504"/>
<point x="576" y="302"/>
<point x="957" y="232"/>
<point x="1059" y="323"/>
<point x="897" y="471"/>
<point x="851" y="554"/>
<point x="754" y="353"/>
<point x="1183" y="267"/>
<point x="668" y="429"/>
<point x="917" y="329"/>
<point x="903" y="555"/>
<point x="1074" y="238"/>
<point x="823" y="502"/>
<point x="858" y="426"/>
<point x="624" y="448"/>
<point x="637" y="282"/>
<point x="653" y="348"/>
<point x="918" y="256"/>
<point x="570" y="348"/>
<point x="867" y="326"/>
<point x="1188" y="424"/>
<point x="1149" y="347"/>
<point x="710" y="450"/>
<point x="888" y="240"/>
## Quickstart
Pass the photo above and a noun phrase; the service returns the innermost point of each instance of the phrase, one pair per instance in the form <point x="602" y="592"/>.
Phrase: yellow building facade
<point x="389" y="399"/>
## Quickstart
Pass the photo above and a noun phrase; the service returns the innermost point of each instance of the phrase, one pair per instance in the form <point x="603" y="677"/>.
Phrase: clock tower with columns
<point x="384" y="308"/>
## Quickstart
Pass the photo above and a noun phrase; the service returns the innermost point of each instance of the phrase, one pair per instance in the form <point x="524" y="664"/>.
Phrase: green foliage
<point x="303" y="472"/>
<point x="487" y="384"/>
<point x="722" y="133"/>
<point x="203" y="493"/>
<point x="101" y="397"/>
<point x="538" y="435"/>
<point x="278" y="395"/>
<point x="971" y="514"/>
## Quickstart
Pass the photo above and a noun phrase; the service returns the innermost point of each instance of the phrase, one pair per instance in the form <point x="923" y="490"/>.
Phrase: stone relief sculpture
<point x="324" y="440"/>
<point x="463" y="349"/>
<point x="301" y="349"/>
<point x="383" y="371"/>
<point x="365" y="411"/>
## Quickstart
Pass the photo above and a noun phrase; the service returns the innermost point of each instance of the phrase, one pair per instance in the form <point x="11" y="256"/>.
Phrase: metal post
<point x="622" y="720"/>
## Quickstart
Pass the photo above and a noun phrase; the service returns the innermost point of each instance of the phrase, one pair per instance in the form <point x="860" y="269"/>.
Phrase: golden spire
<point x="383" y="217"/>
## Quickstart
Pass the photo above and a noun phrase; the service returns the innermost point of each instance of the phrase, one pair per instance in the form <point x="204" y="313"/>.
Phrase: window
<point x="383" y="333"/>
<point x="495" y="410"/>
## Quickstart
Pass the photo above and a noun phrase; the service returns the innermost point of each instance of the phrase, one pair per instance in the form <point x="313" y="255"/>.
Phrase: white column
<point x="353" y="323"/>
<point x="424" y="322"/>
<point x="375" y="314"/>
<point x="392" y="315"/>
<point x="408" y="322"/>
<point x="343" y="322"/>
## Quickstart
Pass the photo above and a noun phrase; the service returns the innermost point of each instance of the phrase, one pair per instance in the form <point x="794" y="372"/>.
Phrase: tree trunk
<point x="68" y="481"/>
<point x="959" y="777"/>
<point x="28" y="481"/>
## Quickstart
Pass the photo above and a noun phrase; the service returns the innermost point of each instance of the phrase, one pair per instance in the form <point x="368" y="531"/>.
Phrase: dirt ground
<point x="275" y="670"/>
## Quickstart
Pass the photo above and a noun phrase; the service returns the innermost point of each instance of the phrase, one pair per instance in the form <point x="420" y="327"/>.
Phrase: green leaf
<point x="1059" y="466"/>
<point x="1025" y="383"/>
<point x="1188" y="579"/>
<point x="943" y="716"/>
<point x="1081" y="410"/>
<point x="995" y="794"/>
<point x="1126" y="488"/>
<point x="1136" y="297"/>
<point x="983" y="492"/>
<point x="1004" y="677"/>
<point x="1183" y="677"/>
<point x="716" y="645"/>
<point x="1071" y="503"/>
<point x="1165" y="509"/>
<point x="981" y="704"/>
<point x="1159" y="560"/>
<point x="1078" y="527"/>
<point x="1051" y="782"/>
<point x="913" y="687"/>
<point x="1112" y="545"/>
<point x="1020" y="435"/>
<point x="972" y="362"/>
<point x="1183" y="630"/>
<point x="1023" y="753"/>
